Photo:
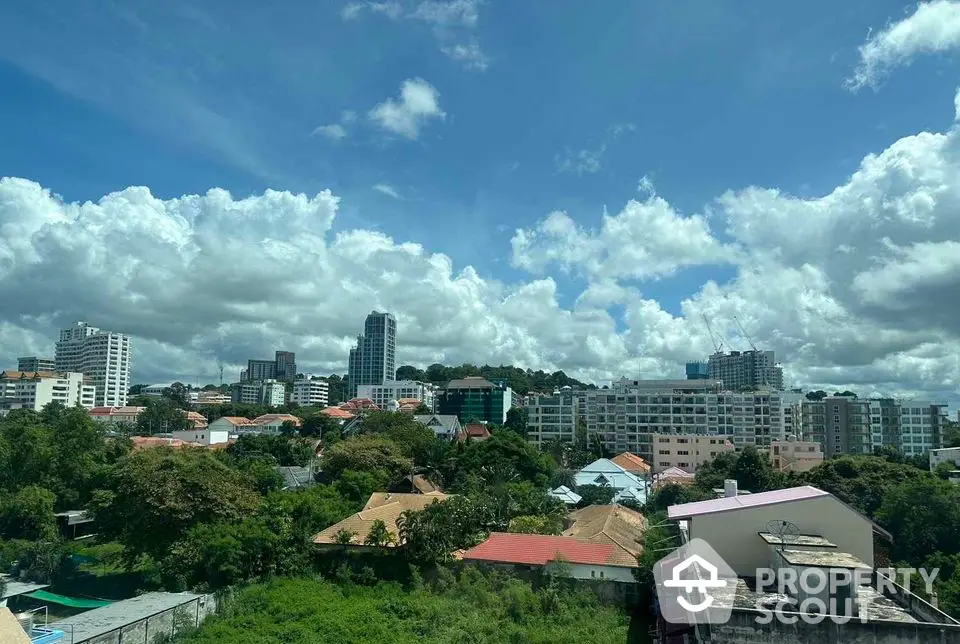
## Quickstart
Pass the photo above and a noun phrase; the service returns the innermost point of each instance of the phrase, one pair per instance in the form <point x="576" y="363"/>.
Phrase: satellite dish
<point x="786" y="531"/>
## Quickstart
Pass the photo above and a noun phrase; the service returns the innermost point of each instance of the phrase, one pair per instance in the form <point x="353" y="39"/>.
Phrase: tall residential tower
<point x="103" y="357"/>
<point x="373" y="360"/>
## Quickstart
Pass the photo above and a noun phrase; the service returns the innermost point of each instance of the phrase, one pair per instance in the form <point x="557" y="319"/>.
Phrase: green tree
<point x="319" y="425"/>
<point x="28" y="514"/>
<point x="536" y="524"/>
<point x="366" y="454"/>
<point x="357" y="486"/>
<point x="596" y="494"/>
<point x="379" y="536"/>
<point x="285" y="451"/>
<point x="517" y="420"/>
<point x="344" y="537"/>
<point x="288" y="428"/>
<point x="816" y="395"/>
<point x="752" y="470"/>
<point x="151" y="498"/>
<point x="177" y="394"/>
<point x="923" y="516"/>
<point x="422" y="410"/>
<point x="161" y="415"/>
<point x="432" y="534"/>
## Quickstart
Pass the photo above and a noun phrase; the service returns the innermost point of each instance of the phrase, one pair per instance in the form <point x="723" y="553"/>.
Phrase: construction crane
<point x="744" y="333"/>
<point x="717" y="346"/>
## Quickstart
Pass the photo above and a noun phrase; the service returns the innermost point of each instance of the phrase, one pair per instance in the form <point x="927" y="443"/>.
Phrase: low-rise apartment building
<point x="32" y="364"/>
<point x="202" y="436"/>
<point x="396" y="390"/>
<point x="310" y="393"/>
<point x="260" y="392"/>
<point x="35" y="390"/>
<point x="793" y="455"/>
<point x="949" y="455"/>
<point x="686" y="451"/>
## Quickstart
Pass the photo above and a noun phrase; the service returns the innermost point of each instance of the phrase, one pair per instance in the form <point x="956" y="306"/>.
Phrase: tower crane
<point x="717" y="346"/>
<point x="744" y="333"/>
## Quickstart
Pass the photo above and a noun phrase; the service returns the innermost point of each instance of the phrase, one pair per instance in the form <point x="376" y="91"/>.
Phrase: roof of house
<point x="608" y="524"/>
<point x="448" y="422"/>
<point x="476" y="430"/>
<point x="115" y="411"/>
<point x="236" y="421"/>
<point x="100" y="621"/>
<point x="471" y="382"/>
<point x="270" y="419"/>
<point x="385" y="506"/>
<point x="295" y="477"/>
<point x="675" y="472"/>
<point x="712" y="506"/>
<point x="29" y="375"/>
<point x="10" y="629"/>
<point x="336" y="412"/>
<point x="198" y="419"/>
<point x="539" y="549"/>
<point x="418" y="483"/>
<point x="604" y="471"/>
<point x="631" y="462"/>
<point x="16" y="587"/>
<point x="566" y="495"/>
<point x="144" y="442"/>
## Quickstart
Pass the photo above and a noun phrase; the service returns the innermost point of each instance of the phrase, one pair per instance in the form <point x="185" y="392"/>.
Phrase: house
<point x="409" y="405"/>
<point x="273" y="423"/>
<point x="202" y="436"/>
<point x="341" y="415"/>
<point x="566" y="495"/>
<point x="11" y="632"/>
<point x="116" y="415"/>
<point x="296" y="478"/>
<point x="359" y="404"/>
<point x="731" y="524"/>
<point x="606" y="473"/>
<point x="198" y="420"/>
<point x="583" y="559"/>
<point x="632" y="463"/>
<point x="416" y="484"/>
<point x="673" y="476"/>
<point x="74" y="524"/>
<point x="443" y="425"/>
<point x="383" y="506"/>
<point x="792" y="455"/>
<point x="609" y="524"/>
<point x="476" y="432"/>
<point x="231" y="424"/>
<point x="793" y="532"/>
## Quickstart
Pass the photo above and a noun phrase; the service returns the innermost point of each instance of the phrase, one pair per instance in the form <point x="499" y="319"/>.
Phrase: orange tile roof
<point x="476" y="430"/>
<point x="386" y="507"/>
<point x="612" y="524"/>
<point x="540" y="549"/>
<point x="336" y="412"/>
<point x="238" y="421"/>
<point x="631" y="462"/>
<point x="29" y="375"/>
<point x="269" y="419"/>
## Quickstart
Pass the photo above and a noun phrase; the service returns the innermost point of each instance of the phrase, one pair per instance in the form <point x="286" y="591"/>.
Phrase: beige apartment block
<point x="795" y="456"/>
<point x="686" y="451"/>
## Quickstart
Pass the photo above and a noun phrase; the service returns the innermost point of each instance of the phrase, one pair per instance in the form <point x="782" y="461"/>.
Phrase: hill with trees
<point x="520" y="380"/>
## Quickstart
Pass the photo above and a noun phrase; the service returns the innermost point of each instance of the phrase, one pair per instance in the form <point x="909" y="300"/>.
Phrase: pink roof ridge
<point x="712" y="506"/>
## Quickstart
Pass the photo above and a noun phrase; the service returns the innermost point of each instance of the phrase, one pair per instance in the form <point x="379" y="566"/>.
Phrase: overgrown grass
<point x="471" y="609"/>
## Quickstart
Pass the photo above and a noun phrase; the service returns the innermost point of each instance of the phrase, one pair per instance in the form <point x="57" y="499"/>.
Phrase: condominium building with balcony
<point x="746" y="370"/>
<point x="310" y="393"/>
<point x="626" y="416"/>
<point x="36" y="390"/>
<point x="33" y="364"/>
<point x="395" y="390"/>
<point x="103" y="357"/>
<point x="686" y="451"/>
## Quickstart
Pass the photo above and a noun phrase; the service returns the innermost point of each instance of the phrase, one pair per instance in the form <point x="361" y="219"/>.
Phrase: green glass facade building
<point x="477" y="399"/>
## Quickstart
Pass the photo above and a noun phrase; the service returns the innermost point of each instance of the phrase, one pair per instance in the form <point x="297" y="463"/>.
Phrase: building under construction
<point x="746" y="369"/>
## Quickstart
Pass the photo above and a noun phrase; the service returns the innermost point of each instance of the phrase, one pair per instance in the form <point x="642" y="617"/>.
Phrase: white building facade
<point x="260" y="392"/>
<point x="626" y="416"/>
<point x="37" y="390"/>
<point x="314" y="393"/>
<point x="202" y="436"/>
<point x="398" y="390"/>
<point x="103" y="357"/>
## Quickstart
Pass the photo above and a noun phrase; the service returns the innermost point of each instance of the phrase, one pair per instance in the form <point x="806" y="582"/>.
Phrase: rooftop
<point x="631" y="462"/>
<point x="101" y="621"/>
<point x="385" y="506"/>
<point x="336" y="412"/>
<point x="610" y="524"/>
<point x="471" y="382"/>
<point x="811" y="540"/>
<point x="10" y="630"/>
<point x="16" y="587"/>
<point x="566" y="495"/>
<point x="539" y="550"/>
<point x="270" y="419"/>
<point x="823" y="559"/>
<point x="698" y="508"/>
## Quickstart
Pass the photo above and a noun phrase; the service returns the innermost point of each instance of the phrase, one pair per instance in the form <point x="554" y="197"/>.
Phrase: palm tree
<point x="379" y="536"/>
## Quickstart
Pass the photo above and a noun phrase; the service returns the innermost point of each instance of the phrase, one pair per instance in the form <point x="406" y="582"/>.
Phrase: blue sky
<point x="699" y="97"/>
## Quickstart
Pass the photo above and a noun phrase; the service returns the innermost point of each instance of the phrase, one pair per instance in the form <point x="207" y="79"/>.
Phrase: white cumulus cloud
<point x="933" y="28"/>
<point x="419" y="103"/>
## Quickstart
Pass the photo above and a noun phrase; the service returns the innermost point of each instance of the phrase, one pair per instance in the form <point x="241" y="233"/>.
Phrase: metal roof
<point x="698" y="508"/>
<point x="15" y="587"/>
<point x="101" y="621"/>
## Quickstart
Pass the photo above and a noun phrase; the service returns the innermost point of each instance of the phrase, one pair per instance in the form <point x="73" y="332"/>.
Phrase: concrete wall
<point x="733" y="534"/>
<point x="593" y="573"/>
<point x="744" y="629"/>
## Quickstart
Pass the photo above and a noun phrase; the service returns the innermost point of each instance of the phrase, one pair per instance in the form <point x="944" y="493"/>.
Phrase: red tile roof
<point x="336" y="412"/>
<point x="538" y="550"/>
<point x="477" y="430"/>
<point x="631" y="462"/>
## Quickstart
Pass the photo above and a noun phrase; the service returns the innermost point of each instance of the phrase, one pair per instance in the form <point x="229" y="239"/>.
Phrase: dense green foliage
<point x="520" y="380"/>
<point x="472" y="608"/>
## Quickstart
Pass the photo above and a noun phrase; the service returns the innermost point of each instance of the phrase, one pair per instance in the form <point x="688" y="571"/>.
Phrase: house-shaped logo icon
<point x="685" y="579"/>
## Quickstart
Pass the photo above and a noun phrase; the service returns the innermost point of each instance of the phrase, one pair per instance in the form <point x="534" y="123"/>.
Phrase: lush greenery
<point x="520" y="380"/>
<point x="471" y="607"/>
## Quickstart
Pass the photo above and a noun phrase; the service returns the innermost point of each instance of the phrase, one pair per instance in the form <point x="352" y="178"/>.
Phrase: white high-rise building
<point x="310" y="393"/>
<point x="398" y="390"/>
<point x="103" y="357"/>
<point x="36" y="390"/>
